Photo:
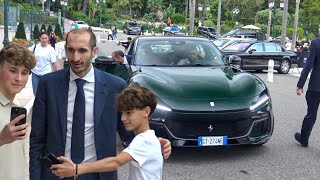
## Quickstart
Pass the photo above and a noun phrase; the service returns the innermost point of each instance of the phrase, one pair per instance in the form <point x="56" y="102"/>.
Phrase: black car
<point x="256" y="54"/>
<point x="131" y="28"/>
<point x="208" y="32"/>
<point x="172" y="31"/>
<point x="207" y="102"/>
<point x="240" y="33"/>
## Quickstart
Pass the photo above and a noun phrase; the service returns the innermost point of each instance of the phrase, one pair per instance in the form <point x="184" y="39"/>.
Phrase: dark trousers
<point x="313" y="99"/>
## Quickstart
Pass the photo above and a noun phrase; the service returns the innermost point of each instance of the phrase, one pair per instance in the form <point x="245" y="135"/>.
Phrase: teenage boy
<point x="16" y="63"/>
<point x="136" y="104"/>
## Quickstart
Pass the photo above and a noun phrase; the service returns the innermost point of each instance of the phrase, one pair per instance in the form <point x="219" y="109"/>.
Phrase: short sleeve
<point x="138" y="150"/>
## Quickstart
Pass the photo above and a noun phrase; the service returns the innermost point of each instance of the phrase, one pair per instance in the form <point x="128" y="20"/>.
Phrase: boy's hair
<point x="136" y="97"/>
<point x="17" y="54"/>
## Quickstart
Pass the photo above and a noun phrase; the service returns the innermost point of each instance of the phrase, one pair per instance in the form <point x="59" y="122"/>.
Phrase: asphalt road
<point x="280" y="158"/>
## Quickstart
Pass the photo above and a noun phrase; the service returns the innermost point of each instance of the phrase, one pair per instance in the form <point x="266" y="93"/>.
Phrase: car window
<point x="133" y="24"/>
<point x="278" y="48"/>
<point x="270" y="47"/>
<point x="212" y="30"/>
<point x="170" y="51"/>
<point x="257" y="46"/>
<point x="240" y="47"/>
<point x="221" y="42"/>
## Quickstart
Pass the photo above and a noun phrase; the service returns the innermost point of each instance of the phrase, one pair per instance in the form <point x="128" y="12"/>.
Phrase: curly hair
<point x="17" y="54"/>
<point x="136" y="97"/>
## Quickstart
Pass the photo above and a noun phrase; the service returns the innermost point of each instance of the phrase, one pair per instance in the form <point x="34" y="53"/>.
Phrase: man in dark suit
<point x="57" y="101"/>
<point x="313" y="92"/>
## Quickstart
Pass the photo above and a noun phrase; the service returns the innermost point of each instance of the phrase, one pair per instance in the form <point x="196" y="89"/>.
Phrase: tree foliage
<point x="20" y="33"/>
<point x="36" y="32"/>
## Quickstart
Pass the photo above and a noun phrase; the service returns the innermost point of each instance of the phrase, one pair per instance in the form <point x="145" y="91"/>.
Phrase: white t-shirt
<point x="44" y="57"/>
<point x="145" y="149"/>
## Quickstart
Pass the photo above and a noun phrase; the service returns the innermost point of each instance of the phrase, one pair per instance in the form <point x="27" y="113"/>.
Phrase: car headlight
<point x="162" y="106"/>
<point x="262" y="100"/>
<point x="161" y="112"/>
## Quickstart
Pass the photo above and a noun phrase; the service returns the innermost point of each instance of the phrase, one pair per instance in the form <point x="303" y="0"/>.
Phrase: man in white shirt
<point x="56" y="112"/>
<point x="16" y="63"/>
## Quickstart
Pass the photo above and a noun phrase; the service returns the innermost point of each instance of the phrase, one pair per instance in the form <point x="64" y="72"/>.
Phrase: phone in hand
<point x="49" y="160"/>
<point x="17" y="111"/>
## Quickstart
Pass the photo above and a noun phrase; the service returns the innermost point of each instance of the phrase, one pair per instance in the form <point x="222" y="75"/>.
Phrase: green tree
<point x="20" y="33"/>
<point x="36" y="32"/>
<point x="49" y="30"/>
<point x="43" y="28"/>
<point x="178" y="18"/>
<point x="57" y="31"/>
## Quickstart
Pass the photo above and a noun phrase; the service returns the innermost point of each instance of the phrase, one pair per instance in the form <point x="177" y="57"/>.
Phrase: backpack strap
<point x="34" y="48"/>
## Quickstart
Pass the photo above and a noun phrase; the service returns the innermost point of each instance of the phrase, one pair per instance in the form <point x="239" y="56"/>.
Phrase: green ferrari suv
<point x="203" y="98"/>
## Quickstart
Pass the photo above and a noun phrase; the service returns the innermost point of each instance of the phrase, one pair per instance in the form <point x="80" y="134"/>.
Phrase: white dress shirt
<point x="89" y="144"/>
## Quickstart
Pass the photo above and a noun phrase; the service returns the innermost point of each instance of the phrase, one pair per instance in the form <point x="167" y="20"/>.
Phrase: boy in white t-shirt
<point x="136" y="104"/>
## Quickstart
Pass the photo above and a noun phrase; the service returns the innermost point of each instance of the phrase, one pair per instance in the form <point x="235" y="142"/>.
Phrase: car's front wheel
<point x="285" y="66"/>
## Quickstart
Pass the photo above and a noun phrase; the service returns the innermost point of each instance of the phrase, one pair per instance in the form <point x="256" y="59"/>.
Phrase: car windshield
<point x="80" y="22"/>
<point x="230" y="33"/>
<point x="221" y="42"/>
<point x="237" y="47"/>
<point x="212" y="30"/>
<point x="133" y="24"/>
<point x="177" y="52"/>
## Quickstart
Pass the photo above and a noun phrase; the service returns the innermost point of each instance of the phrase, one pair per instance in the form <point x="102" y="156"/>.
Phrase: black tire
<point x="285" y="66"/>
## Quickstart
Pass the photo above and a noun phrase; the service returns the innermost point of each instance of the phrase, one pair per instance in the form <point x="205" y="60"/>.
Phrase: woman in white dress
<point x="46" y="59"/>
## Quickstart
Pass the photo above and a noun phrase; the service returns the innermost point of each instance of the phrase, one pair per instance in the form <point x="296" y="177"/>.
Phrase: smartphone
<point x="17" y="111"/>
<point x="49" y="160"/>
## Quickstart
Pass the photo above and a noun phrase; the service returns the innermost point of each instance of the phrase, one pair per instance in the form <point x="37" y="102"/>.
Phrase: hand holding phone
<point x="17" y="111"/>
<point x="49" y="160"/>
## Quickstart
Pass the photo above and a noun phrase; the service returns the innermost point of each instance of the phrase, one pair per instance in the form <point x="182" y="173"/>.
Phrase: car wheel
<point x="284" y="67"/>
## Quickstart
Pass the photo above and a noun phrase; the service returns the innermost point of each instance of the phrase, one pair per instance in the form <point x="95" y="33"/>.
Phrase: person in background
<point x="313" y="92"/>
<point x="53" y="40"/>
<point x="142" y="30"/>
<point x="169" y="21"/>
<point x="136" y="104"/>
<point x="125" y="44"/>
<point x="16" y="62"/>
<point x="74" y="113"/>
<point x="45" y="57"/>
<point x="114" y="32"/>
<point x="120" y="58"/>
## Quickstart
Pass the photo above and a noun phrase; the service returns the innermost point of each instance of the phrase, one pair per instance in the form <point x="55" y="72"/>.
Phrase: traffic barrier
<point x="270" y="70"/>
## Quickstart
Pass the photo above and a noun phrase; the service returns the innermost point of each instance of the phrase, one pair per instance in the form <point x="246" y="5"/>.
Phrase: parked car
<point x="208" y="102"/>
<point x="131" y="28"/>
<point x="208" y="32"/>
<point x="240" y="33"/>
<point x="224" y="42"/>
<point x="81" y="24"/>
<point x="256" y="54"/>
<point x="172" y="31"/>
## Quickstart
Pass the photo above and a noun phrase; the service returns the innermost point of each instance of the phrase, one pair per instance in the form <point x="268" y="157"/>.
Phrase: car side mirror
<point x="251" y="51"/>
<point x="233" y="59"/>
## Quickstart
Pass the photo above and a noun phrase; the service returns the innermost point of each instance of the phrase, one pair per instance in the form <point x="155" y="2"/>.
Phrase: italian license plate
<point x="212" y="141"/>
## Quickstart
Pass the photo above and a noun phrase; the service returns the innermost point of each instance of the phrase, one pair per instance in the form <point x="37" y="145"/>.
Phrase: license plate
<point x="212" y="141"/>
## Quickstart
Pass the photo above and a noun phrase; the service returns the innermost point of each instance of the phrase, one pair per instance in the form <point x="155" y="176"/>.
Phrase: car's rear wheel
<point x="284" y="66"/>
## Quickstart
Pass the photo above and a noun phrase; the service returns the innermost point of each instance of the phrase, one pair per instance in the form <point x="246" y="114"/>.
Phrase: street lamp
<point x="100" y="7"/>
<point x="43" y="1"/>
<point x="202" y="8"/>
<point x="235" y="13"/>
<point x="272" y="9"/>
<point x="6" y="20"/>
<point x="63" y="4"/>
<point x="271" y="6"/>
<point x="31" y="22"/>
